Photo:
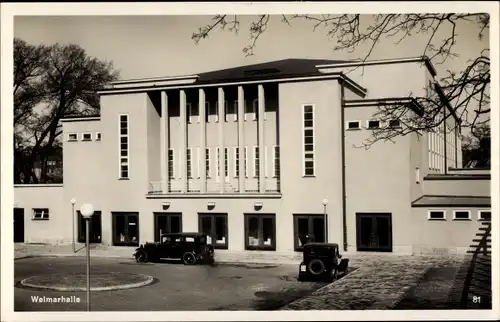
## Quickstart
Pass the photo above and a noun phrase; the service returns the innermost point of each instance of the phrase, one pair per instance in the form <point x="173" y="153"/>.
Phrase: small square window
<point x="485" y="215"/>
<point x="461" y="215"/>
<point x="98" y="136"/>
<point x="373" y="124"/>
<point x="40" y="214"/>
<point x="72" y="137"/>
<point x="436" y="215"/>
<point x="394" y="123"/>
<point x="353" y="125"/>
<point x="87" y="137"/>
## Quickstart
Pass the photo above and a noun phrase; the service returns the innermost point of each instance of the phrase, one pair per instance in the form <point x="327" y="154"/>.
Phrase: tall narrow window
<point x="124" y="146"/>
<point x="208" y="162"/>
<point x="309" y="140"/>
<point x="171" y="163"/>
<point x="276" y="161"/>
<point x="189" y="163"/>
<point x="217" y="164"/>
<point x="226" y="163"/>
<point x="236" y="160"/>
<point x="256" y="161"/>
<point x="245" y="161"/>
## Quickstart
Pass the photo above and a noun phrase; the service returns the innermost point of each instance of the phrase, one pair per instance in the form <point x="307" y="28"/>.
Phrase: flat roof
<point x="452" y="201"/>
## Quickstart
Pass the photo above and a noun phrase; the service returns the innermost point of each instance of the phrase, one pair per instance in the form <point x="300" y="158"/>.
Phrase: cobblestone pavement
<point x="380" y="283"/>
<point x="177" y="287"/>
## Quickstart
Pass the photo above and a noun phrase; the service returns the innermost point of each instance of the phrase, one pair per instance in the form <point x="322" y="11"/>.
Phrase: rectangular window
<point x="125" y="228"/>
<point x="86" y="136"/>
<point x="189" y="163"/>
<point x="308" y="229"/>
<point x="394" y="123"/>
<point x="276" y="161"/>
<point x="217" y="163"/>
<point x="256" y="161"/>
<point x="98" y="136"/>
<point x="260" y="232"/>
<point x="417" y="175"/>
<point x="353" y="125"/>
<point x="484" y="215"/>
<point x="40" y="214"/>
<point x="236" y="160"/>
<point x="436" y="215"/>
<point x="309" y="141"/>
<point x="226" y="163"/>
<point x="215" y="227"/>
<point x="245" y="161"/>
<point x="208" y="162"/>
<point x="373" y="124"/>
<point x="124" y="146"/>
<point x="461" y="214"/>
<point x="72" y="137"/>
<point x="171" y="161"/>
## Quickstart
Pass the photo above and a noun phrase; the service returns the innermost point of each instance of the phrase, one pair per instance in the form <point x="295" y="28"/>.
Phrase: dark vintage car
<point x="322" y="262"/>
<point x="190" y="248"/>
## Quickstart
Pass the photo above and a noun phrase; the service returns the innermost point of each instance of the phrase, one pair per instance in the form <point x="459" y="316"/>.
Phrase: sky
<point x="157" y="46"/>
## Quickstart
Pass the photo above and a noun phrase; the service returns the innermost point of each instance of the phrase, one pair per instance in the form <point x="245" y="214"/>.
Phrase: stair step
<point x="473" y="251"/>
<point x="483" y="228"/>
<point x="488" y="240"/>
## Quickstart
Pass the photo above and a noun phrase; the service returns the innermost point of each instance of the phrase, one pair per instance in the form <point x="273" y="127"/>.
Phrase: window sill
<point x="75" y="140"/>
<point x="309" y="176"/>
<point x="461" y="219"/>
<point x="86" y="139"/>
<point x="123" y="178"/>
<point x="40" y="219"/>
<point x="436" y="219"/>
<point x="358" y="129"/>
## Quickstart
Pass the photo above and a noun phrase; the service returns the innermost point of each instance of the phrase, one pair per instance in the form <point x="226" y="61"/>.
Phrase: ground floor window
<point x="95" y="228"/>
<point x="374" y="232"/>
<point x="260" y="232"/>
<point x="308" y="228"/>
<point x="166" y="223"/>
<point x="125" y="228"/>
<point x="215" y="226"/>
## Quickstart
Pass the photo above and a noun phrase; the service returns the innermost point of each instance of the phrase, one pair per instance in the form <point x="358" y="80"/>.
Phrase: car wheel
<point x="316" y="267"/>
<point x="189" y="259"/>
<point x="141" y="257"/>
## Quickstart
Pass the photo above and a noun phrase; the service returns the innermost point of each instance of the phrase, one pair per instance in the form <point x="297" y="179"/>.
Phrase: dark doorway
<point x="308" y="229"/>
<point x="95" y="228"/>
<point x="166" y="223"/>
<point x="125" y="228"/>
<point x="18" y="225"/>
<point x="374" y="232"/>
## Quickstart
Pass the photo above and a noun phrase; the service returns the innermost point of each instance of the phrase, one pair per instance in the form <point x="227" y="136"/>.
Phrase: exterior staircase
<point x="476" y="293"/>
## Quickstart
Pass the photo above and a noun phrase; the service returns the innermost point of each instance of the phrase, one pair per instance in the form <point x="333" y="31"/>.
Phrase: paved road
<point x="178" y="287"/>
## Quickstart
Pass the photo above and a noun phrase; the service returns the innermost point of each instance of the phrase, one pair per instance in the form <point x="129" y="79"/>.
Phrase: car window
<point x="189" y="239"/>
<point x="166" y="239"/>
<point x="177" y="239"/>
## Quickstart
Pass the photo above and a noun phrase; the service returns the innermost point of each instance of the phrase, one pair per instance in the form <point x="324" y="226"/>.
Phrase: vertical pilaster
<point x="203" y="140"/>
<point x="221" y="105"/>
<point x="241" y="138"/>
<point x="183" y="137"/>
<point x="261" y="138"/>
<point x="164" y="133"/>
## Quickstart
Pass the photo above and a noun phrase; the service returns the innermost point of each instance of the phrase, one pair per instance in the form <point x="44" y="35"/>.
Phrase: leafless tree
<point x="50" y="82"/>
<point x="466" y="91"/>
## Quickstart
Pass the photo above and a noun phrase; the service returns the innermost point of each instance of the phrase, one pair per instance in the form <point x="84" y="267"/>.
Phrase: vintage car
<point x="190" y="248"/>
<point x="322" y="262"/>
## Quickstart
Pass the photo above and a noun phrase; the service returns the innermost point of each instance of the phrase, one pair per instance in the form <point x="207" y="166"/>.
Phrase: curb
<point x="149" y="280"/>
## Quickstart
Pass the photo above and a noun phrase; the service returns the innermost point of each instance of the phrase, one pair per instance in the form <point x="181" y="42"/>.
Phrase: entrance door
<point x="125" y="229"/>
<point x="374" y="232"/>
<point x="95" y="228"/>
<point x="18" y="225"/>
<point x="166" y="223"/>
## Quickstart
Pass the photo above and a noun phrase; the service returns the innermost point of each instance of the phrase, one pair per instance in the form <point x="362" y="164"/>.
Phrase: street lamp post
<point x="87" y="210"/>
<point x="325" y="202"/>
<point x="73" y="201"/>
